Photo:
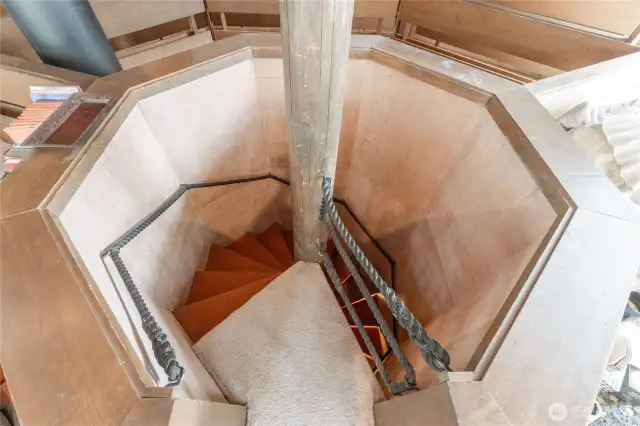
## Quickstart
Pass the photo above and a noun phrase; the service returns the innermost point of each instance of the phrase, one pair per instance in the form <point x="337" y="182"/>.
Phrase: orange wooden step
<point x="354" y="292"/>
<point x="274" y="240"/>
<point x="378" y="340"/>
<point x="224" y="259"/>
<point x="370" y="360"/>
<point x="211" y="283"/>
<point x="199" y="318"/>
<point x="363" y="311"/>
<point x="249" y="246"/>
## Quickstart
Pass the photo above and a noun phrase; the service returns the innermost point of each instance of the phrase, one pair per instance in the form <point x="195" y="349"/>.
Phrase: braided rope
<point x="432" y="352"/>
<point x="410" y="376"/>
<point x="396" y="388"/>
<point x="162" y="350"/>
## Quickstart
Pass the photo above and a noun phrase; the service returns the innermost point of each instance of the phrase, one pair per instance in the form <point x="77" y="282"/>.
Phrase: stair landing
<point x="295" y="361"/>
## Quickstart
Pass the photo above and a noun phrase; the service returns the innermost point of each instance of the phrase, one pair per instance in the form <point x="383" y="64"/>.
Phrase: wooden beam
<point x="62" y="369"/>
<point x="457" y="22"/>
<point x="123" y="17"/>
<point x="619" y="17"/>
<point x="315" y="38"/>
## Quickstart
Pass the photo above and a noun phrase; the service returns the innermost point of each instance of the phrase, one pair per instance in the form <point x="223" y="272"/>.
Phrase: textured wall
<point x="130" y="179"/>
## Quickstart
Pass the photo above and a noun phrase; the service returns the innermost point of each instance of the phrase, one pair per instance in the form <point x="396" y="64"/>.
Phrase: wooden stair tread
<point x="199" y="318"/>
<point x="224" y="259"/>
<point x="274" y="240"/>
<point x="249" y="246"/>
<point x="370" y="360"/>
<point x="363" y="311"/>
<point x="378" y="340"/>
<point x="211" y="283"/>
<point x="353" y="292"/>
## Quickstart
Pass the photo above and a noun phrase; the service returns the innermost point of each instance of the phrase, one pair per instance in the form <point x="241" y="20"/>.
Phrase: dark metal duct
<point x="65" y="33"/>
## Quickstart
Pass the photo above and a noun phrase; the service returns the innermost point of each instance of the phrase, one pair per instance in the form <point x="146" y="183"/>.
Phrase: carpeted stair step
<point x="287" y="354"/>
<point x="211" y="283"/>
<point x="249" y="246"/>
<point x="224" y="259"/>
<point x="378" y="340"/>
<point x="199" y="318"/>
<point x="274" y="240"/>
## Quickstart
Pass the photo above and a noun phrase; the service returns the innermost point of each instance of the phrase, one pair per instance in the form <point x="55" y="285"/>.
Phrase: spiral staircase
<point x="236" y="273"/>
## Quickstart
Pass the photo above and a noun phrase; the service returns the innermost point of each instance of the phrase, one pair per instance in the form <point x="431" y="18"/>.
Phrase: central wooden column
<point x="315" y="40"/>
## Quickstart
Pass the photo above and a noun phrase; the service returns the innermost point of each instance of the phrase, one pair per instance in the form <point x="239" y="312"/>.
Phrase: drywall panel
<point x="435" y="181"/>
<point x="409" y="136"/>
<point x="129" y="180"/>
<point x="210" y="128"/>
<point x="481" y="229"/>
<point x="228" y="212"/>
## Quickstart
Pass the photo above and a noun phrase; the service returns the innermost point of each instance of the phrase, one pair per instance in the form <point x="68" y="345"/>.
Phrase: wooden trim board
<point x="617" y="17"/>
<point x="456" y="22"/>
<point x="184" y="412"/>
<point x="52" y="344"/>
<point x="122" y="17"/>
<point x="612" y="81"/>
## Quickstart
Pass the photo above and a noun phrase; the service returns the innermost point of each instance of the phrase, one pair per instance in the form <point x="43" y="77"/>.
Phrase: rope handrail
<point x="410" y="377"/>
<point x="432" y="352"/>
<point x="162" y="349"/>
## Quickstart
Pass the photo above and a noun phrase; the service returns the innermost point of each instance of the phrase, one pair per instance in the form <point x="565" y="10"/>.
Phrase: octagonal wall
<point x="430" y="175"/>
<point x="128" y="177"/>
<point x="421" y="164"/>
<point x="440" y="187"/>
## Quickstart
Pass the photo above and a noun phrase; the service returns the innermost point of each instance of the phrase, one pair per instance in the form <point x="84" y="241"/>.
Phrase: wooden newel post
<point x="315" y="40"/>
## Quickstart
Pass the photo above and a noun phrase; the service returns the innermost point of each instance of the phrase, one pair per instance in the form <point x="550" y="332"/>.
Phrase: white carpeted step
<point x="289" y="355"/>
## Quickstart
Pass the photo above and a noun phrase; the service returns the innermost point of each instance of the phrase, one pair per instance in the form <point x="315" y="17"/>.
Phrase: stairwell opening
<point x="422" y="165"/>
